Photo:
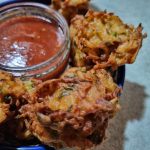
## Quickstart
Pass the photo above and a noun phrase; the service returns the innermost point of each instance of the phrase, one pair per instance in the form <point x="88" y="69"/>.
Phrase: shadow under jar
<point x="34" y="41"/>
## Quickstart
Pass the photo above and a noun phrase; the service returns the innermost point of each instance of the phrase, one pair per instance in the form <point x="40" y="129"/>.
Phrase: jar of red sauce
<point x="34" y="41"/>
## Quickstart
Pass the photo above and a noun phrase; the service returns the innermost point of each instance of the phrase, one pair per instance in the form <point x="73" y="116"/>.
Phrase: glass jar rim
<point x="58" y="16"/>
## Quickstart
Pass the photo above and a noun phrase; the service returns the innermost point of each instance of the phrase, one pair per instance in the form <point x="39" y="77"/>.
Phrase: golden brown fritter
<point x="102" y="38"/>
<point x="13" y="94"/>
<point x="69" y="8"/>
<point x="73" y="110"/>
<point x="4" y="112"/>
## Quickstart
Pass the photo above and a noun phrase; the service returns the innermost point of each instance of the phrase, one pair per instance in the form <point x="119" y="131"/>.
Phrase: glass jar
<point x="55" y="65"/>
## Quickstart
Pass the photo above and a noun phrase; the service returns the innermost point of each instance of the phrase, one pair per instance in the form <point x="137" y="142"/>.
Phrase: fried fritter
<point x="73" y="111"/>
<point x="69" y="8"/>
<point x="4" y="112"/>
<point x="102" y="38"/>
<point x="13" y="94"/>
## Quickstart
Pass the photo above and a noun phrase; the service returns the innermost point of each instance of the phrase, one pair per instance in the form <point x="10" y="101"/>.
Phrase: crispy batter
<point x="73" y="110"/>
<point x="4" y="112"/>
<point x="69" y="8"/>
<point x="102" y="38"/>
<point x="13" y="94"/>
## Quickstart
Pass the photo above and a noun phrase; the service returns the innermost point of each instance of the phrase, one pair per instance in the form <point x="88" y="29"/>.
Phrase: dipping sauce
<point x="27" y="40"/>
<point x="34" y="41"/>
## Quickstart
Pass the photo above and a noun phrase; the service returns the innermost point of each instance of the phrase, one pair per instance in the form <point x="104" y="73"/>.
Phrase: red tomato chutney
<point x="27" y="41"/>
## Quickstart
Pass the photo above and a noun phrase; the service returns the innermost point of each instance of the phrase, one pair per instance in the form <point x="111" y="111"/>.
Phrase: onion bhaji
<point x="69" y="8"/>
<point x="102" y="38"/>
<point x="13" y="94"/>
<point x="73" y="111"/>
